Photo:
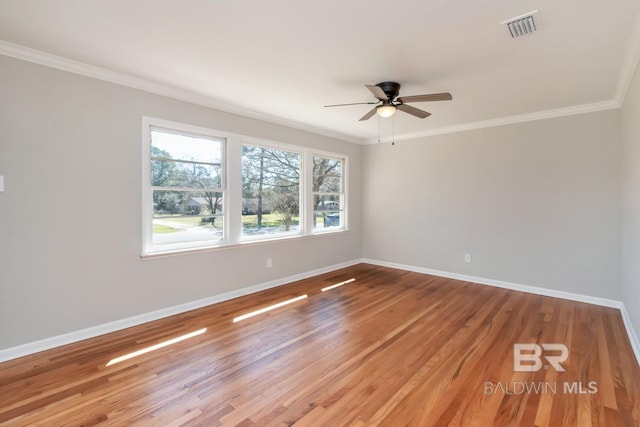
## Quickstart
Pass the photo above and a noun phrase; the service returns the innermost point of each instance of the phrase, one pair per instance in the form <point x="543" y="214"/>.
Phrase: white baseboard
<point x="94" y="331"/>
<point x="60" y="340"/>
<point x="633" y="338"/>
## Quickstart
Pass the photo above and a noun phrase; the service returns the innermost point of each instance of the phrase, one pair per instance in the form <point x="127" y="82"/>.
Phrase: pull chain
<point x="393" y="130"/>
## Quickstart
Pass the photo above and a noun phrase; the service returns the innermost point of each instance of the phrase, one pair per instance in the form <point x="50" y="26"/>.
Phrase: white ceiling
<point x="286" y="59"/>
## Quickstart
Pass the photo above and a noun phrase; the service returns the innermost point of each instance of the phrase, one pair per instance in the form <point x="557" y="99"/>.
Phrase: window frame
<point x="342" y="194"/>
<point x="289" y="149"/>
<point x="149" y="125"/>
<point x="231" y="177"/>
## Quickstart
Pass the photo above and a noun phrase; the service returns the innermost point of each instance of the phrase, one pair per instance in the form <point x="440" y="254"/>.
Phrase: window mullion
<point x="344" y="200"/>
<point x="188" y="189"/>
<point x="233" y="207"/>
<point x="307" y="214"/>
<point x="191" y="162"/>
<point x="147" y="192"/>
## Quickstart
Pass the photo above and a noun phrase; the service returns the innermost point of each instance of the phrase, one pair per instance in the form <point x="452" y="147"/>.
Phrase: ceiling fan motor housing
<point x="391" y="89"/>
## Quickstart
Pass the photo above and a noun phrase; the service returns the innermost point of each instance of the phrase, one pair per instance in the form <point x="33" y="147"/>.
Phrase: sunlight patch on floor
<point x="328" y="288"/>
<point x="156" y="347"/>
<point x="269" y="308"/>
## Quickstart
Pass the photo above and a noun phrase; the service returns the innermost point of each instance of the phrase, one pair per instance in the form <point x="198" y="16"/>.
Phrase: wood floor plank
<point x="391" y="348"/>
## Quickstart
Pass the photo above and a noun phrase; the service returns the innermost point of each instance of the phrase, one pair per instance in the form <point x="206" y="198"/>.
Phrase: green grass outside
<point x="163" y="229"/>
<point x="268" y="220"/>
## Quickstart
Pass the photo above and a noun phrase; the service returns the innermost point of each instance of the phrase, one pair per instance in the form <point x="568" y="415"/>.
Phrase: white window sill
<point x="245" y="243"/>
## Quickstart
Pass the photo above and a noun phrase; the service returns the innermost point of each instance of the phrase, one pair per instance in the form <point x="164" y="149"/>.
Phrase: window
<point x="270" y="192"/>
<point x="186" y="182"/>
<point x="204" y="188"/>
<point x="328" y="193"/>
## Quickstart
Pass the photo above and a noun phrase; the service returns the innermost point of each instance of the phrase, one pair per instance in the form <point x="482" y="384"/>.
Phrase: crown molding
<point x="627" y="72"/>
<point x="630" y="63"/>
<point x="60" y="63"/>
<point x="509" y="120"/>
<point x="80" y="68"/>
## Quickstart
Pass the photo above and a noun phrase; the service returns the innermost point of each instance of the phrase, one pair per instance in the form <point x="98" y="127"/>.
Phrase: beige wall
<point x="630" y="288"/>
<point x="535" y="203"/>
<point x="70" y="218"/>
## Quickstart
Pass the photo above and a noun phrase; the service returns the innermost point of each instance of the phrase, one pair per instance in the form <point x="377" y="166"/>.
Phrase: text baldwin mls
<point x="541" y="387"/>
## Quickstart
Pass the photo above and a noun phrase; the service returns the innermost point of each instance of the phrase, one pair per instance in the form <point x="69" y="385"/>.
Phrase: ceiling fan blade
<point x="445" y="96"/>
<point x="368" y="115"/>
<point x="377" y="92"/>
<point x="354" y="103"/>
<point x="413" y="111"/>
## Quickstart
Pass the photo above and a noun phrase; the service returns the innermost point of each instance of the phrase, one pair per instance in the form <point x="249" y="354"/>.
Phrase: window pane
<point x="328" y="184"/>
<point x="324" y="166"/>
<point x="327" y="175"/>
<point x="186" y="217"/>
<point x="182" y="147"/>
<point x="169" y="203"/>
<point x="270" y="191"/>
<point x="326" y="202"/>
<point x="184" y="231"/>
<point x="327" y="193"/>
<point x="187" y="175"/>
<point x="327" y="220"/>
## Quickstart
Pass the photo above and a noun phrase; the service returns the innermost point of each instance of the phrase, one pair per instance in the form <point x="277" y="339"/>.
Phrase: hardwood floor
<point x="392" y="348"/>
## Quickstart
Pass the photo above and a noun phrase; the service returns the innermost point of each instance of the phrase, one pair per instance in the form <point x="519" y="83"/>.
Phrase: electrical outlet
<point x="1" y="183"/>
<point x="467" y="257"/>
<point x="269" y="262"/>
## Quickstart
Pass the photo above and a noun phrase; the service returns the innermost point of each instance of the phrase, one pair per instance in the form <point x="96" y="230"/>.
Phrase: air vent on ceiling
<point x="521" y="25"/>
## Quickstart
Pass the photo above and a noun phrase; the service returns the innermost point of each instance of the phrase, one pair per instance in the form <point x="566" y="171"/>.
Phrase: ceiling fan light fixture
<point x="388" y="102"/>
<point x="386" y="110"/>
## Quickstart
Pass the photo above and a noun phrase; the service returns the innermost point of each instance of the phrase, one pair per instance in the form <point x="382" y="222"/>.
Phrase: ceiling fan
<point x="388" y="101"/>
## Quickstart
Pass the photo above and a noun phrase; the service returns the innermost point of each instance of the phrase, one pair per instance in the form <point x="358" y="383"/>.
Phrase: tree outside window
<point x="186" y="179"/>
<point x="270" y="191"/>
<point x="328" y="193"/>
